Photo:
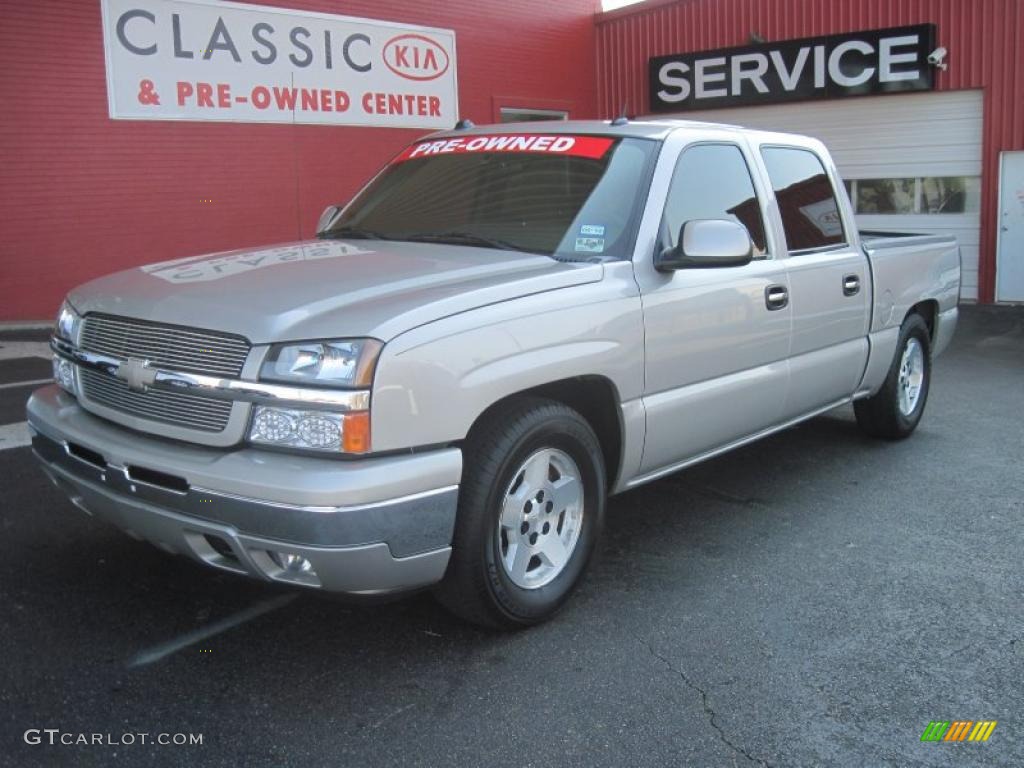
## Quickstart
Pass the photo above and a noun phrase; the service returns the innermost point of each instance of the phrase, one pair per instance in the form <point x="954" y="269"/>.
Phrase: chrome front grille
<point x="189" y="411"/>
<point x="165" y="346"/>
<point x="189" y="350"/>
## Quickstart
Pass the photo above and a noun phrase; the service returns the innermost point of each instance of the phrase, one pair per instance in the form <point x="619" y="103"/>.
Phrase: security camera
<point x="937" y="58"/>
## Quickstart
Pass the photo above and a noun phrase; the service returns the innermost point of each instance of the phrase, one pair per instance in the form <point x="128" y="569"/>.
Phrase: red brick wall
<point x="82" y="195"/>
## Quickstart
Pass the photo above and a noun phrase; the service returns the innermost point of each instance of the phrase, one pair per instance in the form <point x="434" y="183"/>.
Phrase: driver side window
<point x="712" y="181"/>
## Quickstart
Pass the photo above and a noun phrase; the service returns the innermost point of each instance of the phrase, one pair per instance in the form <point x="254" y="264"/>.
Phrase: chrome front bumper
<point x="368" y="526"/>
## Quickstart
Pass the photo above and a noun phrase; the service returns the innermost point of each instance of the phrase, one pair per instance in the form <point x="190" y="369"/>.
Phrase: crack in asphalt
<point x="961" y="649"/>
<point x="711" y="714"/>
<point x="719" y="495"/>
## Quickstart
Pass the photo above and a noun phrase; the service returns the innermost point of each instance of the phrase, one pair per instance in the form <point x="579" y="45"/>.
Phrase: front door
<point x="716" y="352"/>
<point x="1010" y="260"/>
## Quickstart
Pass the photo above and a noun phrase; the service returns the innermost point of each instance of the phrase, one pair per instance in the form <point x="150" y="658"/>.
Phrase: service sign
<point x="208" y="60"/>
<point x="855" y="64"/>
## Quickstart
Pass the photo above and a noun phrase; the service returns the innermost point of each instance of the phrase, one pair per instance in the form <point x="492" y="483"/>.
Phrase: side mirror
<point x="326" y="218"/>
<point x="705" y="243"/>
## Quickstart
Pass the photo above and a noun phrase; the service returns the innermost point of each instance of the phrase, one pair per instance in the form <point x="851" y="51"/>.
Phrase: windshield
<point x="574" y="197"/>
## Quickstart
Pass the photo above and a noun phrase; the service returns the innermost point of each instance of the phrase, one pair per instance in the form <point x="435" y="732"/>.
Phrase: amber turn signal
<point x="356" y="433"/>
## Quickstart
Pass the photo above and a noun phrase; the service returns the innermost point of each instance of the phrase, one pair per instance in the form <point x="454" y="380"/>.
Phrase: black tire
<point x="880" y="415"/>
<point x="476" y="586"/>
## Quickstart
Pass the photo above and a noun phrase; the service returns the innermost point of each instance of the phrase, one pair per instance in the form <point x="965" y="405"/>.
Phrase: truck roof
<point x="649" y="129"/>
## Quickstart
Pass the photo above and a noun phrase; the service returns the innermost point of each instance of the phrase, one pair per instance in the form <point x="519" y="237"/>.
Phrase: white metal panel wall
<point x="905" y="136"/>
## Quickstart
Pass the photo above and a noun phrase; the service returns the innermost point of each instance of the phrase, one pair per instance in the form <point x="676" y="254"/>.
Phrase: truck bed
<point x="907" y="268"/>
<point x="874" y="239"/>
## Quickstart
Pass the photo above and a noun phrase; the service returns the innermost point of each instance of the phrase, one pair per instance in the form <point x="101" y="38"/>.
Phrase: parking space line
<point x="204" y="633"/>
<point x="14" y="435"/>
<point x="33" y="383"/>
<point x="10" y="350"/>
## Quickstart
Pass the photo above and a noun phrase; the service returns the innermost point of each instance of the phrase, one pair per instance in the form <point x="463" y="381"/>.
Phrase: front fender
<point x="433" y="382"/>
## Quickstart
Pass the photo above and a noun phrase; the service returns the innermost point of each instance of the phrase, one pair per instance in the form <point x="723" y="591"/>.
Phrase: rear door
<point x="829" y="280"/>
<point x="716" y="354"/>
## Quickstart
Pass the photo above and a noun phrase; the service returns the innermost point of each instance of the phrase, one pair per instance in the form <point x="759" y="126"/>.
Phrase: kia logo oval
<point x="415" y="57"/>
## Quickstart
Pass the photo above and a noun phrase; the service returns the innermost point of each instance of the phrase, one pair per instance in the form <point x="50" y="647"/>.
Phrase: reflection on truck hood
<point x="319" y="289"/>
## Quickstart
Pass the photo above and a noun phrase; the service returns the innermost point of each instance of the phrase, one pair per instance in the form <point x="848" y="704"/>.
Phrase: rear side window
<point x="712" y="181"/>
<point x="807" y="202"/>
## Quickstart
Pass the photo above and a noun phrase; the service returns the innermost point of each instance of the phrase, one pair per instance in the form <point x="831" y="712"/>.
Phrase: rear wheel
<point x="894" y="412"/>
<point x="531" y="507"/>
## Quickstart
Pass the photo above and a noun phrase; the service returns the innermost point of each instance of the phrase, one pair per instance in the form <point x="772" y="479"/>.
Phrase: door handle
<point x="851" y="285"/>
<point x="776" y="297"/>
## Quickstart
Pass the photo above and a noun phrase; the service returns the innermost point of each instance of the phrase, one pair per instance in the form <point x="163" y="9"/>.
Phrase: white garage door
<point x="912" y="162"/>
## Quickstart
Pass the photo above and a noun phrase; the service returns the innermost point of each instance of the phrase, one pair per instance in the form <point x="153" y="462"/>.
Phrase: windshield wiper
<point x="352" y="233"/>
<point x="455" y="238"/>
<point x="464" y="238"/>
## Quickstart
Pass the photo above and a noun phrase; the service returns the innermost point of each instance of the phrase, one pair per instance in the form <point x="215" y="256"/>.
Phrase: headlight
<point x="64" y="374"/>
<point x="67" y="323"/>
<point x="66" y="329"/>
<point x="341" y="363"/>
<point x="337" y="363"/>
<point x="312" y="430"/>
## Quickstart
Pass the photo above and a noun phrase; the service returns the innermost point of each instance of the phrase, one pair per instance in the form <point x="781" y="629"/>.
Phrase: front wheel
<point x="531" y="508"/>
<point x="893" y="413"/>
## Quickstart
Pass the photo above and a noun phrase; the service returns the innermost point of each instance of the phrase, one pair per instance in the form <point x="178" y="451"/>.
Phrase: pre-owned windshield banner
<point x="214" y="60"/>
<point x="593" y="147"/>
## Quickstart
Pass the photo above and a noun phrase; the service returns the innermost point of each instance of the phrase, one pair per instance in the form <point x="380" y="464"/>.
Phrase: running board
<point x="659" y="473"/>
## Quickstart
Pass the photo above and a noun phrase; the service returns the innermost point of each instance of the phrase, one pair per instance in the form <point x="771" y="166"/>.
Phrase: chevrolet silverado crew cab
<point x="504" y="327"/>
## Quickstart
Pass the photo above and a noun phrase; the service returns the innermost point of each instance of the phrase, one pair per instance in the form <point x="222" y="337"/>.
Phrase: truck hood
<point x="326" y="288"/>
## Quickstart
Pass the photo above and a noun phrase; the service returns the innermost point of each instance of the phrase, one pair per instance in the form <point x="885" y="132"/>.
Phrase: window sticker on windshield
<point x="593" y="147"/>
<point x="592" y="229"/>
<point x="590" y="244"/>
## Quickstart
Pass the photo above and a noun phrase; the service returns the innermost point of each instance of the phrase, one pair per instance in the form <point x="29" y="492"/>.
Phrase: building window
<point x="523" y="115"/>
<point x="886" y="195"/>
<point x="922" y="195"/>
<point x="950" y="194"/>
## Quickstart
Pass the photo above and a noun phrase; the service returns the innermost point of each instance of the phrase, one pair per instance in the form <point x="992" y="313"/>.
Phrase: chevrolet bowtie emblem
<point x="136" y="374"/>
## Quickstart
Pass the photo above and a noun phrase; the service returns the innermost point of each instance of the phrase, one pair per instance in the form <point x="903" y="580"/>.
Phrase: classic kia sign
<point x="209" y="60"/>
<point x="854" y="64"/>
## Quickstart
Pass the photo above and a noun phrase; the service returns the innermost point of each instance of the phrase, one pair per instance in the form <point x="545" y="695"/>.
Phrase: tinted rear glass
<point x="807" y="202"/>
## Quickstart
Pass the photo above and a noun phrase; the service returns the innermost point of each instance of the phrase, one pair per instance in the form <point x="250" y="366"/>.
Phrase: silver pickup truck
<point x="504" y="327"/>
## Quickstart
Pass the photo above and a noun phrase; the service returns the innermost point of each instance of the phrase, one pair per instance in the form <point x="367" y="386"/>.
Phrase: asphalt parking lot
<point x="813" y="599"/>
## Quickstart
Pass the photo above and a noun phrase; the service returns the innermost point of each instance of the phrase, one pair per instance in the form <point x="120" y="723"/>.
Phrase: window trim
<point x="820" y="249"/>
<point x="769" y="252"/>
<point x="520" y="101"/>
<point x="830" y="175"/>
<point x="555" y="115"/>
